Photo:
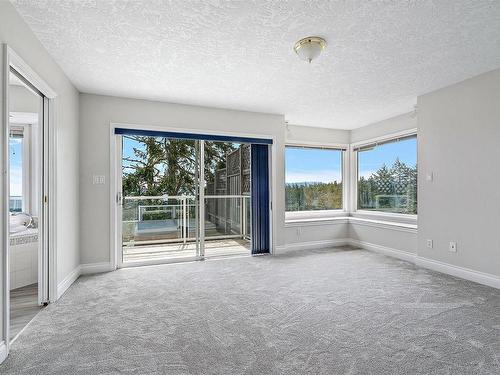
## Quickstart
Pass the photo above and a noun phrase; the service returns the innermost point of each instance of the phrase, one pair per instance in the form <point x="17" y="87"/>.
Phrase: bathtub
<point x="23" y="257"/>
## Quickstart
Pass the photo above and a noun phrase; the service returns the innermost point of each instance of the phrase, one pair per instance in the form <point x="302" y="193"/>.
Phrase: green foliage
<point x="391" y="189"/>
<point x="156" y="215"/>
<point x="313" y="196"/>
<point x="168" y="166"/>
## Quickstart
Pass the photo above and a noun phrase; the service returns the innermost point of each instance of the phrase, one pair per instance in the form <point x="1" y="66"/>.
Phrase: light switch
<point x="429" y="177"/>
<point x="453" y="247"/>
<point x="99" y="180"/>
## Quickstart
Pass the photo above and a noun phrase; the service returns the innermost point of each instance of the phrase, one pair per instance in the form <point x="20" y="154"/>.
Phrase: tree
<point x="161" y="166"/>
<point x="400" y="173"/>
<point x="384" y="180"/>
<point x="313" y="196"/>
<point x="395" y="187"/>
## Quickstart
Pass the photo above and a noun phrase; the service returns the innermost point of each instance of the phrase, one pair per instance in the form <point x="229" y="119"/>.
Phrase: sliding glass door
<point x="226" y="198"/>
<point x="183" y="199"/>
<point x="160" y="188"/>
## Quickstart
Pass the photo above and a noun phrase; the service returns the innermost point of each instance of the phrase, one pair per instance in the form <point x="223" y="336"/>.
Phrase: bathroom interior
<point x="25" y="191"/>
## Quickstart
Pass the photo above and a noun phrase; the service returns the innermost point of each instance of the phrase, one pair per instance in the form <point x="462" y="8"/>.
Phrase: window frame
<point x="26" y="167"/>
<point x="391" y="216"/>
<point x="293" y="216"/>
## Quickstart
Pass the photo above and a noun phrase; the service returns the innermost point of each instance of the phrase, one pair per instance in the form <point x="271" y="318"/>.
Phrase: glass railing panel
<point x="158" y="227"/>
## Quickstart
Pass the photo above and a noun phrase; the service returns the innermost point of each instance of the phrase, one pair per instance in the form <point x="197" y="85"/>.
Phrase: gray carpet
<point x="325" y="312"/>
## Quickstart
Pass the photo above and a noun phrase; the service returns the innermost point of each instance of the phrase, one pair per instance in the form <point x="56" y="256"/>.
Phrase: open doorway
<point x="169" y="183"/>
<point x="28" y="286"/>
<point x="189" y="196"/>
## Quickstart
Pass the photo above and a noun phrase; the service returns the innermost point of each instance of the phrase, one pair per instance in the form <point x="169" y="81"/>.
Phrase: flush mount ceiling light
<point x="309" y="48"/>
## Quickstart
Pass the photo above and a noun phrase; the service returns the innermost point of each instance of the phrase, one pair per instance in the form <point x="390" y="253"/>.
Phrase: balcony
<point x="166" y="227"/>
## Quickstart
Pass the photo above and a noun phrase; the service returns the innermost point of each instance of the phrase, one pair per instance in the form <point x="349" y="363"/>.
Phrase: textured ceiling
<point x="239" y="55"/>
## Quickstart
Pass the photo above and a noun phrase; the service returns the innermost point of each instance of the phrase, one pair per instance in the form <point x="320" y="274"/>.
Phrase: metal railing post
<point x="184" y="237"/>
<point x="188" y="218"/>
<point x="201" y="191"/>
<point x="242" y="216"/>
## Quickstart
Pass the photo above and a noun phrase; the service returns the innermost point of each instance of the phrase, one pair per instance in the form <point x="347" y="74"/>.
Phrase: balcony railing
<point x="149" y="220"/>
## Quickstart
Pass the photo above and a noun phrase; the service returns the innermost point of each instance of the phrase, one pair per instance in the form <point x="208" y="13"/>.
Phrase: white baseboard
<point x="83" y="269"/>
<point x="310" y="245"/>
<point x="3" y="351"/>
<point x="90" y="268"/>
<point x="464" y="273"/>
<point x="449" y="269"/>
<point x="68" y="280"/>
<point x="403" y="255"/>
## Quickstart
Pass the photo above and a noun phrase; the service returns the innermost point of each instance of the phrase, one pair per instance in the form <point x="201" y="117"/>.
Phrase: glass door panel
<point x="160" y="209"/>
<point x="183" y="199"/>
<point x="226" y="199"/>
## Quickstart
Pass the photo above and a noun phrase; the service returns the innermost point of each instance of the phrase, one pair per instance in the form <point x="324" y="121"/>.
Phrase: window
<point x="313" y="179"/>
<point x="16" y="200"/>
<point x="387" y="176"/>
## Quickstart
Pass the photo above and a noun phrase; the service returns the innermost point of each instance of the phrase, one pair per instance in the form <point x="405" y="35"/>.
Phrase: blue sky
<point x="316" y="165"/>
<point x="371" y="161"/>
<point x="16" y="169"/>
<point x="128" y="149"/>
<point x="312" y="165"/>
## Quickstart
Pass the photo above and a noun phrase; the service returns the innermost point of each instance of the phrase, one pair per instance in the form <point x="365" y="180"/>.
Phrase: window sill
<point x="317" y="221"/>
<point x="376" y="223"/>
<point x="386" y="216"/>
<point x="315" y="214"/>
<point x="384" y="224"/>
<point x="314" y="217"/>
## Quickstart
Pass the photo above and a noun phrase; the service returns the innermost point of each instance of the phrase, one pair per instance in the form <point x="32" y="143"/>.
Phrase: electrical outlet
<point x="430" y="244"/>
<point x="453" y="247"/>
<point x="429" y="177"/>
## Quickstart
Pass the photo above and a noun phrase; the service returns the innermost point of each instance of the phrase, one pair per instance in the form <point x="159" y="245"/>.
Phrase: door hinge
<point x="45" y="198"/>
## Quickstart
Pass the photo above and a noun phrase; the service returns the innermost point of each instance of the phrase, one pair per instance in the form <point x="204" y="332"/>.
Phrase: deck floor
<point x="213" y="248"/>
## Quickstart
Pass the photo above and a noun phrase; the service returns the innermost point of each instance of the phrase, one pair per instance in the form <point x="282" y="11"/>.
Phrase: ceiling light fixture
<point x="309" y="48"/>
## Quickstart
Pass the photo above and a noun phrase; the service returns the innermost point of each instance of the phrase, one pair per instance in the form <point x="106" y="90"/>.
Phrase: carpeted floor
<point x="324" y="312"/>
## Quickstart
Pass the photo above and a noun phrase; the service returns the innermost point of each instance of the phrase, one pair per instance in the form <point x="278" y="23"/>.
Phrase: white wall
<point x="392" y="125"/>
<point x="459" y="142"/>
<point x="393" y="238"/>
<point x="319" y="136"/>
<point x="314" y="235"/>
<point x="96" y="114"/>
<point x="17" y="34"/>
<point x="22" y="100"/>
